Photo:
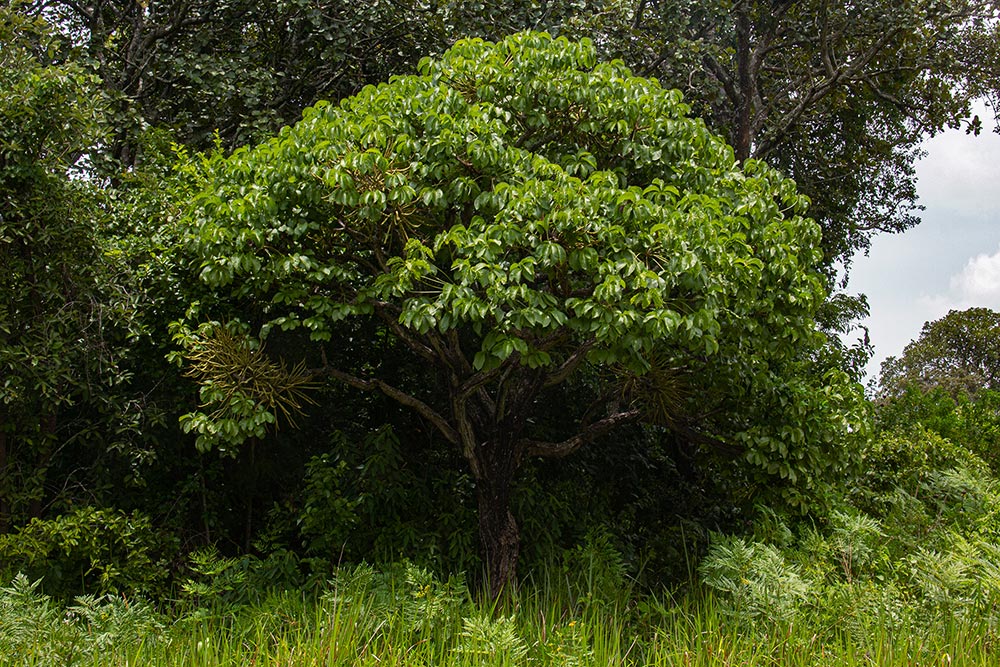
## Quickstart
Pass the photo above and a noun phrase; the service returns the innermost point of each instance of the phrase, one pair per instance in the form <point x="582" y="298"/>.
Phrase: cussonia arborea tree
<point x="511" y="216"/>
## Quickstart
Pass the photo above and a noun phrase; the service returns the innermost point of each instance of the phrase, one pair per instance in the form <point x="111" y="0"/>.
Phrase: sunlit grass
<point x="367" y="620"/>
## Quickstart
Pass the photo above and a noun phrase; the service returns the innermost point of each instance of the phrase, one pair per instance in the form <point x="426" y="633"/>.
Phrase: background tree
<point x="836" y="95"/>
<point x="87" y="288"/>
<point x="236" y="68"/>
<point x="55" y="318"/>
<point x="513" y="217"/>
<point x="959" y="353"/>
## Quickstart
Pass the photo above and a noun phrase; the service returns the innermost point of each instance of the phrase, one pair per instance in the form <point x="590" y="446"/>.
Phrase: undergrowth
<point x="402" y="615"/>
<point x="904" y="571"/>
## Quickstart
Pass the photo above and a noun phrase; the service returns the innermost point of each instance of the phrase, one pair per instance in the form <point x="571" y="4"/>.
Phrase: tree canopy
<point x="836" y="95"/>
<point x="517" y="216"/>
<point x="959" y="353"/>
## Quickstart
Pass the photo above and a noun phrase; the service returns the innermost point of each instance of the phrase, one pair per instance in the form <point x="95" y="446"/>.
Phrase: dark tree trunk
<point x="742" y="139"/>
<point x="49" y="425"/>
<point x="498" y="531"/>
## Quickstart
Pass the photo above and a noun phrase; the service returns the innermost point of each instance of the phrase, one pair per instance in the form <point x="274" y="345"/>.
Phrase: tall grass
<point x="404" y="616"/>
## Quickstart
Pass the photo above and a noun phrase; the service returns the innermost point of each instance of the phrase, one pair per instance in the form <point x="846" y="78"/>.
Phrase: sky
<point x="951" y="260"/>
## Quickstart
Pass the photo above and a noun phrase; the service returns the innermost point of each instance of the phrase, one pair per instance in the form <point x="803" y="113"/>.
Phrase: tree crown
<point x="518" y="209"/>
<point x="522" y="189"/>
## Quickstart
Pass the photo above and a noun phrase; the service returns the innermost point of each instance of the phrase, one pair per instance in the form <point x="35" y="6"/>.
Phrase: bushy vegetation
<point x="509" y="359"/>
<point x="583" y="614"/>
<point x="904" y="571"/>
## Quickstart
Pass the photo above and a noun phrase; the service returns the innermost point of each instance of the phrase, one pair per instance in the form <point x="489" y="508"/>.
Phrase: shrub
<point x="402" y="590"/>
<point x="370" y="500"/>
<point x="486" y="638"/>
<point x="904" y="459"/>
<point x="91" y="550"/>
<point x="755" y="580"/>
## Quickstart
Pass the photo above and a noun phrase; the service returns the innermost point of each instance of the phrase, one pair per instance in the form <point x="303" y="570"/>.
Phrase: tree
<point x="515" y="215"/>
<point x="236" y="69"/>
<point x="836" y="95"/>
<point x="959" y="353"/>
<point x="54" y="349"/>
<point x="947" y="381"/>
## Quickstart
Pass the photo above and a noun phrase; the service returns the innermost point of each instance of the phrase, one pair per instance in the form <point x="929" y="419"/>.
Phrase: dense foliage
<point x="509" y="290"/>
<point x="57" y="313"/>
<point x="517" y="217"/>
<point x="838" y="96"/>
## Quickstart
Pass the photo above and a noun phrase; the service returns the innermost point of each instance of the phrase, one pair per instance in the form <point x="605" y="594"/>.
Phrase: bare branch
<point x="426" y="411"/>
<point x="823" y="88"/>
<point x="640" y="12"/>
<point x="824" y="42"/>
<point x="455" y="345"/>
<point x="587" y="434"/>
<point x="476" y="381"/>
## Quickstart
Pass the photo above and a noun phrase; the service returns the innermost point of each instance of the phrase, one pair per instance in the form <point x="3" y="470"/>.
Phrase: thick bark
<point x="742" y="139"/>
<point x="498" y="531"/>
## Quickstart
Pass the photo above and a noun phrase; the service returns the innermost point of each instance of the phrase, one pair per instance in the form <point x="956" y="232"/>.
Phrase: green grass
<point x="409" y="618"/>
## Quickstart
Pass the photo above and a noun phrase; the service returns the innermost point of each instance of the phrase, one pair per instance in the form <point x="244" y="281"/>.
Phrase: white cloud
<point x="959" y="171"/>
<point x="952" y="259"/>
<point x="978" y="283"/>
<point x="931" y="307"/>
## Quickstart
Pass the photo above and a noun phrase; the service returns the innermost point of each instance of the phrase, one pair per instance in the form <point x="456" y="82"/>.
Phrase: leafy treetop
<point x="959" y="353"/>
<point x="513" y="214"/>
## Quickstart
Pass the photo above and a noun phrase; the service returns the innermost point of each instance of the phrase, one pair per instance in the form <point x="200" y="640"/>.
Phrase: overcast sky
<point x="952" y="259"/>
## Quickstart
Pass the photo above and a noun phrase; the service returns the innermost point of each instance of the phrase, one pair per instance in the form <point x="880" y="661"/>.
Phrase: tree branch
<point x="640" y="14"/>
<point x="824" y="41"/>
<point x="426" y="411"/>
<point x="85" y="12"/>
<point x="559" y="450"/>
<point x="820" y="90"/>
<point x="723" y="77"/>
<point x="475" y="381"/>
<point x="391" y="320"/>
<point x="571" y="364"/>
<point x="702" y="439"/>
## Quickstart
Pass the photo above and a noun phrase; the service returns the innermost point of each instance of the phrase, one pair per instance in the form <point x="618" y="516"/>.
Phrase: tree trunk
<point x="498" y="531"/>
<point x="742" y="139"/>
<point x="49" y="424"/>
